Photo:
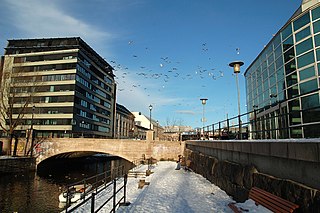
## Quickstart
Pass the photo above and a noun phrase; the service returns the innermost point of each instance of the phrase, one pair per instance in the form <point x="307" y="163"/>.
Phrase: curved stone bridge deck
<point x="128" y="149"/>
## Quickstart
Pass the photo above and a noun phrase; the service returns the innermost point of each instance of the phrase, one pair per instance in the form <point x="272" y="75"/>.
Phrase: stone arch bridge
<point x="128" y="149"/>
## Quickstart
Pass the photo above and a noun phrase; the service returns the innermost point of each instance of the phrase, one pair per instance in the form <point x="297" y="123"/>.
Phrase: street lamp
<point x="150" y="108"/>
<point x="82" y="122"/>
<point x="236" y="69"/>
<point x="203" y="101"/>
<point x="157" y="129"/>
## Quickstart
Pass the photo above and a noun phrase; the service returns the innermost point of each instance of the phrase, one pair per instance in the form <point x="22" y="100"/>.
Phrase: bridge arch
<point x="130" y="150"/>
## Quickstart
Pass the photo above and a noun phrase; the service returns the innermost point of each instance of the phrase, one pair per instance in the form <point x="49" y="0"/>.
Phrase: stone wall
<point x="17" y="164"/>
<point x="237" y="179"/>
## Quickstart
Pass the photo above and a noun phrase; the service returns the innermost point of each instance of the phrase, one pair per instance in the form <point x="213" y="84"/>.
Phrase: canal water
<point x="39" y="191"/>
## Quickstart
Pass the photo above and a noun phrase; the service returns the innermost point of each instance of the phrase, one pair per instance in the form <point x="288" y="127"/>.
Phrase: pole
<point x="239" y="111"/>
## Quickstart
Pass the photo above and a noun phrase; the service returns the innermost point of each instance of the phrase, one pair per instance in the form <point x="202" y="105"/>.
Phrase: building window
<point x="316" y="13"/>
<point x="307" y="73"/>
<point x="286" y="32"/>
<point x="84" y="103"/>
<point x="304" y="46"/>
<point x="305" y="59"/>
<point x="300" y="22"/>
<point x="302" y="34"/>
<point x="308" y="86"/>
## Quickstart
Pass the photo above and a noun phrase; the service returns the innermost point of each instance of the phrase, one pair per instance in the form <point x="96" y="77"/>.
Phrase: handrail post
<point x="114" y="195"/>
<point x="240" y="126"/>
<point x="92" y="201"/>
<point x="125" y="187"/>
<point x="219" y="130"/>
<point x="212" y="131"/>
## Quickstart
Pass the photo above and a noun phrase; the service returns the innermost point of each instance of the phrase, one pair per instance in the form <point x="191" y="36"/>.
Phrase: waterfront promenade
<point x="173" y="190"/>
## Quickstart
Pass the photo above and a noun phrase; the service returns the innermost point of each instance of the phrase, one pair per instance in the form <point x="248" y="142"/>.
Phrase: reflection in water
<point x="39" y="192"/>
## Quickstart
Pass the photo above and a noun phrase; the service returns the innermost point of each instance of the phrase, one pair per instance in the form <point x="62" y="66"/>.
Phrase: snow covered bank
<point x="173" y="190"/>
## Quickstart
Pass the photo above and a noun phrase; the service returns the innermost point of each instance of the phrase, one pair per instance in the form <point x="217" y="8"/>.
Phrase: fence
<point x="100" y="183"/>
<point x="274" y="122"/>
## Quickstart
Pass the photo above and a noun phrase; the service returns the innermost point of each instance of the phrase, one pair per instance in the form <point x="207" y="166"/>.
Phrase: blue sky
<point x="168" y="53"/>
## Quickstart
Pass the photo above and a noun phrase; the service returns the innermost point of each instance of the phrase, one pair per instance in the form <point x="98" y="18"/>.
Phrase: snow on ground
<point x="176" y="191"/>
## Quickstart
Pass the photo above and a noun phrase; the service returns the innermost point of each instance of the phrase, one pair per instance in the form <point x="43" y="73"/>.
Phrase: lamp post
<point x="236" y="69"/>
<point x="203" y="101"/>
<point x="82" y="122"/>
<point x="157" y="129"/>
<point x="31" y="130"/>
<point x="150" y="108"/>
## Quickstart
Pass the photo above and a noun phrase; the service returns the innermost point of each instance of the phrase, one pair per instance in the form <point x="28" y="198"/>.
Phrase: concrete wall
<point x="18" y="164"/>
<point x="298" y="161"/>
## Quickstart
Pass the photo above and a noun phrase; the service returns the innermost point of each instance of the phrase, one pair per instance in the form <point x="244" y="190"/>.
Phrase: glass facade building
<point x="59" y="87"/>
<point x="282" y="83"/>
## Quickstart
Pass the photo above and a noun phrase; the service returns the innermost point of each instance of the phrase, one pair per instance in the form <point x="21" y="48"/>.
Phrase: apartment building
<point x="59" y="87"/>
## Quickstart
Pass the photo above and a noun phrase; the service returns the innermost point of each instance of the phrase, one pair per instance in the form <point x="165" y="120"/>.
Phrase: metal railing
<point x="107" y="180"/>
<point x="274" y="122"/>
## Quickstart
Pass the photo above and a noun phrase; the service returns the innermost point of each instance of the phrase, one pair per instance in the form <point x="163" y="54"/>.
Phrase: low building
<point x="124" y="126"/>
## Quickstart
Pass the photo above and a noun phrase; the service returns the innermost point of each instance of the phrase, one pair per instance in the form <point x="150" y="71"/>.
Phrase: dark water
<point x="39" y="192"/>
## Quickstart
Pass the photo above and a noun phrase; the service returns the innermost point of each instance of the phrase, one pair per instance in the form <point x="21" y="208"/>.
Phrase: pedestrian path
<point x="173" y="190"/>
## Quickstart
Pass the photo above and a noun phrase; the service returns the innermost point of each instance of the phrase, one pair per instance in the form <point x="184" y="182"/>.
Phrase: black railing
<point x="106" y="181"/>
<point x="272" y="123"/>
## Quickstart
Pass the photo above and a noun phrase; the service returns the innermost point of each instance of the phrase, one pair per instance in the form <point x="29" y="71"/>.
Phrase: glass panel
<point x="310" y="101"/>
<point x="276" y="41"/>
<point x="272" y="79"/>
<point x="280" y="74"/>
<point x="304" y="46"/>
<point x="296" y="132"/>
<point x="279" y="62"/>
<point x="312" y="131"/>
<point x="317" y="40"/>
<point x="318" y="54"/>
<point x="308" y="86"/>
<point x="292" y="79"/>
<point x="271" y="69"/>
<point x="290" y="67"/>
<point x="286" y="32"/>
<point x="293" y="92"/>
<point x="277" y="52"/>
<point x="306" y="59"/>
<point x="300" y="22"/>
<point x="316" y="27"/>
<point x="307" y="73"/>
<point x="302" y="34"/>
<point x="265" y="75"/>
<point x="270" y="59"/>
<point x="288" y="55"/>
<point x="287" y="43"/>
<point x="316" y="13"/>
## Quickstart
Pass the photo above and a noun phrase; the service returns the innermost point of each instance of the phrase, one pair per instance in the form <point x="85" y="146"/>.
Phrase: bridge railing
<point x="112" y="182"/>
<point x="265" y="123"/>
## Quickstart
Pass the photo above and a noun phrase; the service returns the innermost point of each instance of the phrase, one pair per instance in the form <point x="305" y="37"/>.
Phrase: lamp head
<point x="236" y="66"/>
<point x="150" y="107"/>
<point x="203" y="100"/>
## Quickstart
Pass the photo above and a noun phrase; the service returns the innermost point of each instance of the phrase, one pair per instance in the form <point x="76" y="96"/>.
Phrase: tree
<point x="16" y="92"/>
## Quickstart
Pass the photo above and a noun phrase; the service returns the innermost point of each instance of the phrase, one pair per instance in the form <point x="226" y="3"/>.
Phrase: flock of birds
<point x="166" y="70"/>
